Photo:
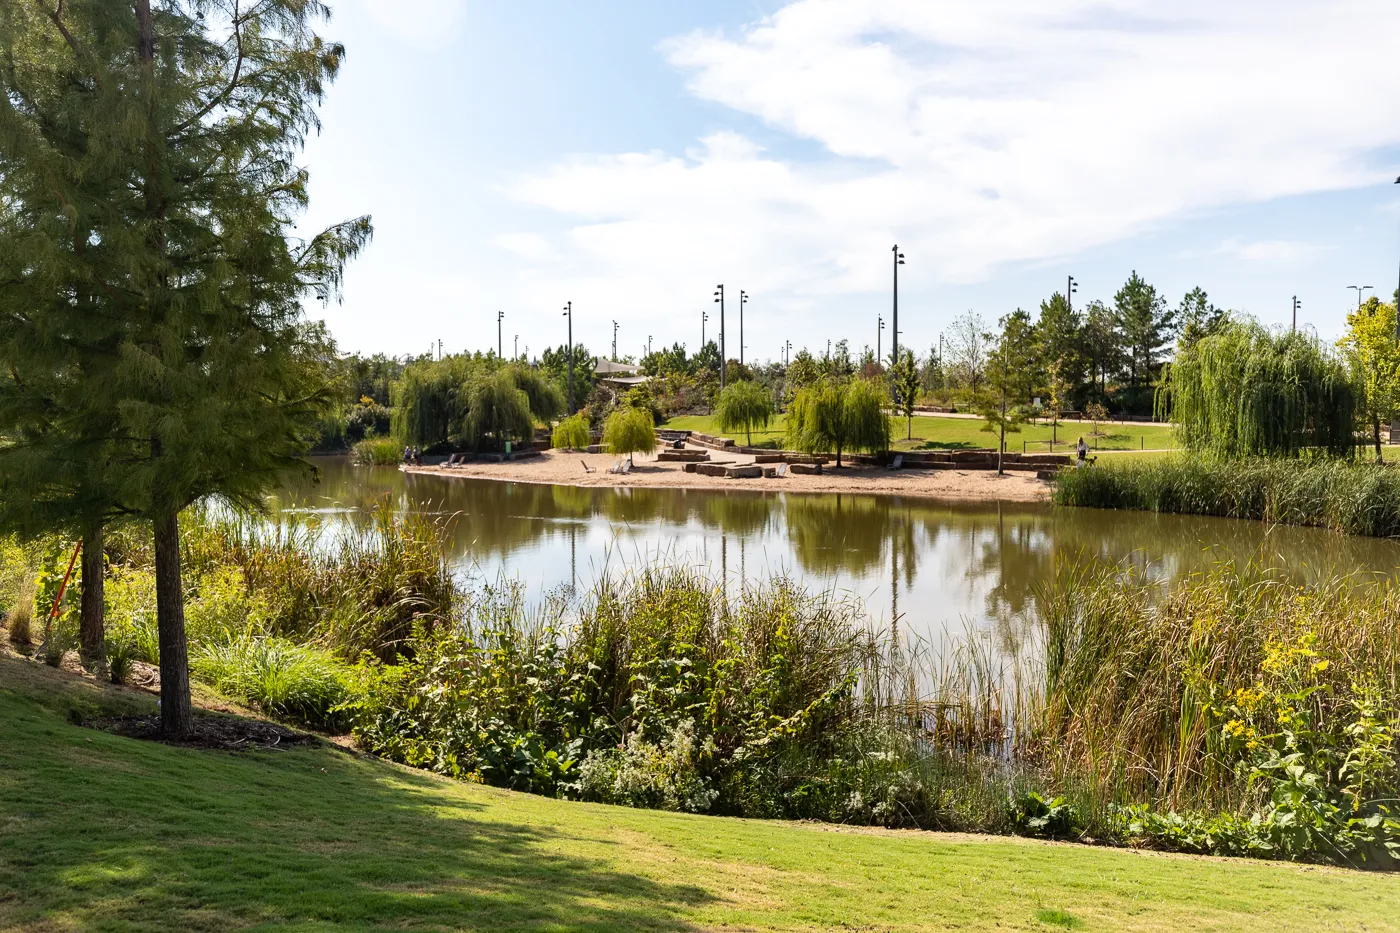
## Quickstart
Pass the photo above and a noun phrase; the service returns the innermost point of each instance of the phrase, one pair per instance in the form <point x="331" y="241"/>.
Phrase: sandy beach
<point x="555" y="467"/>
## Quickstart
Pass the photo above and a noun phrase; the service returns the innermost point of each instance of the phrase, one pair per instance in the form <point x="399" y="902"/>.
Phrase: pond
<point x="937" y="567"/>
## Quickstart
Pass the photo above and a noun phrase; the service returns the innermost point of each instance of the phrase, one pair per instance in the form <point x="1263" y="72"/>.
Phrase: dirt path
<point x="567" y="469"/>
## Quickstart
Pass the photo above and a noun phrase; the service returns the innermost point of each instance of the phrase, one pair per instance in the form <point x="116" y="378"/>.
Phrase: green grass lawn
<point x="943" y="433"/>
<point x="105" y="833"/>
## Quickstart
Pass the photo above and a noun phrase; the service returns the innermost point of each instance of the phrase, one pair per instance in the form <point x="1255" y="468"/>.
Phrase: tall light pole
<point x="1296" y="305"/>
<point x="704" y="316"/>
<point x="569" y="313"/>
<point x="500" y="316"/>
<point x="719" y="300"/>
<point x="894" y="319"/>
<point x="648" y="344"/>
<point x="1071" y="286"/>
<point x="743" y="300"/>
<point x="517" y="347"/>
<point x="787" y="353"/>
<point x="1360" y="289"/>
<point x="614" y="356"/>
<point x="879" y="335"/>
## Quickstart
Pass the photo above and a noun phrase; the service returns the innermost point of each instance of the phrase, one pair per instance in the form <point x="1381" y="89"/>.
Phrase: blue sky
<point x="628" y="156"/>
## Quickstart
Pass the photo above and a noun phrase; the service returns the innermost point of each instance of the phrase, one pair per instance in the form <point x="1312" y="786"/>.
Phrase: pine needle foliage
<point x="836" y="416"/>
<point x="1246" y="391"/>
<point x="743" y="406"/>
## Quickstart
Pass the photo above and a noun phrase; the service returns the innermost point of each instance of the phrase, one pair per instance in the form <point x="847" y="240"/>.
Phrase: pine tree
<point x="1147" y="326"/>
<point x="1059" y="333"/>
<point x="1198" y="318"/>
<point x="206" y="384"/>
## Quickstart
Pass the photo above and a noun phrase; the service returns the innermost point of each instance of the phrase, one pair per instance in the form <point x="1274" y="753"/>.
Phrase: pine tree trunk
<point x="91" y="636"/>
<point x="176" y="716"/>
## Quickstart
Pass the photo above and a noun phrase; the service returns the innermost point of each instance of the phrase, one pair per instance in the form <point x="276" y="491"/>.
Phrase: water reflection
<point x="931" y="565"/>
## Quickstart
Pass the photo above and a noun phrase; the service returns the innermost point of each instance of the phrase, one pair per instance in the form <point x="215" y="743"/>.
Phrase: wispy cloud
<point x="981" y="134"/>
<point x="426" y="24"/>
<point x="1269" y="250"/>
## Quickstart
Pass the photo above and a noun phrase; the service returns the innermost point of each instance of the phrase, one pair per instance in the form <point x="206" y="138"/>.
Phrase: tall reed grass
<point x="1343" y="495"/>
<point x="377" y="451"/>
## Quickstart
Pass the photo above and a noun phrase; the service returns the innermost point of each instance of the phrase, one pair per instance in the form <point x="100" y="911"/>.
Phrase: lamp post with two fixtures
<point x="569" y="313"/>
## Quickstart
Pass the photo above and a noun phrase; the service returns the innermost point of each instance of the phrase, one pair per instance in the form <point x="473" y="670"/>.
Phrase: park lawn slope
<point x="934" y="432"/>
<point x="99" y="832"/>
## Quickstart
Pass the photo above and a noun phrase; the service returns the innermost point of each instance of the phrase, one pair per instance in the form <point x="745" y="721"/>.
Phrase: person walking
<point x="1082" y="452"/>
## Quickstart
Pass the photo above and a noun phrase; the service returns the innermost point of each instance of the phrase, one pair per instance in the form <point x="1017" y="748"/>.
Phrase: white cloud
<point x="977" y="135"/>
<point x="429" y="24"/>
<point x="1269" y="250"/>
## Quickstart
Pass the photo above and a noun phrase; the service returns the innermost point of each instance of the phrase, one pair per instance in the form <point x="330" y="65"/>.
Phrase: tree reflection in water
<point x="932" y="566"/>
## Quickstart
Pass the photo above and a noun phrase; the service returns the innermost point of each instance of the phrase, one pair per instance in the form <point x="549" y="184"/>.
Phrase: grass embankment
<point x="1358" y="498"/>
<point x="934" y="432"/>
<point x="109" y="833"/>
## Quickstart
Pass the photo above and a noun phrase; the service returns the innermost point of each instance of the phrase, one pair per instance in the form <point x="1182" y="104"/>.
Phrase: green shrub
<point x="663" y="776"/>
<point x="571" y="433"/>
<point x="131" y="613"/>
<point x="377" y="451"/>
<point x="276" y="676"/>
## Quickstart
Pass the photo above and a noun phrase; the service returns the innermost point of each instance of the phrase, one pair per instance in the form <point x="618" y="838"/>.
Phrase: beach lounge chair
<point x="616" y="467"/>
<point x="626" y="467"/>
<point x="587" y="468"/>
<point x="781" y="471"/>
<point x="898" y="462"/>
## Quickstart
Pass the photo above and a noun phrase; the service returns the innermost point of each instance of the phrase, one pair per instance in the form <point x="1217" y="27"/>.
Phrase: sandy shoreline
<point x="558" y="468"/>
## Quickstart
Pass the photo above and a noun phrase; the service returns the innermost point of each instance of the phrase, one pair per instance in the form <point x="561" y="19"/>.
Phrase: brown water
<point x="936" y="566"/>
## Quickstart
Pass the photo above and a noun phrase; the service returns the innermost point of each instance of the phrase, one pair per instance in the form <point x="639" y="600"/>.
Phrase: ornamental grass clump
<point x="278" y="677"/>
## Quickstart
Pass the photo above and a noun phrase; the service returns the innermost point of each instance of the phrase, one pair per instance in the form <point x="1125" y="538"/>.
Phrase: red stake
<point x="53" y="614"/>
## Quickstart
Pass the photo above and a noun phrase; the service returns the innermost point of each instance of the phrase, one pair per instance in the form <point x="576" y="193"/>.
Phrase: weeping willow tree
<point x="1245" y="391"/>
<point x="497" y="411"/>
<point x="836" y="416"/>
<point x="433" y="399"/>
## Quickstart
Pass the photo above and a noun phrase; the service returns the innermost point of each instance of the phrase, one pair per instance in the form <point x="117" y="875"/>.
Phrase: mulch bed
<point x="228" y="733"/>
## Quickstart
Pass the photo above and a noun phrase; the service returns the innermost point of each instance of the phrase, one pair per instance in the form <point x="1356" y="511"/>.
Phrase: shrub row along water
<point x="1229" y="713"/>
<point x="1346" y="496"/>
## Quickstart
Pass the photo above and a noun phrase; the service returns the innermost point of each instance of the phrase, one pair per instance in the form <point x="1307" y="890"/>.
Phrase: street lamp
<point x="704" y="316"/>
<point x="1071" y="286"/>
<point x="1360" y="289"/>
<point x="614" y="356"/>
<point x="879" y="335"/>
<point x="500" y="316"/>
<point x="719" y="300"/>
<point x="1296" y="305"/>
<point x="787" y="352"/>
<point x="743" y="300"/>
<point x="894" y="319"/>
<point x="648" y="344"/>
<point x="517" y="346"/>
<point x="569" y="313"/>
